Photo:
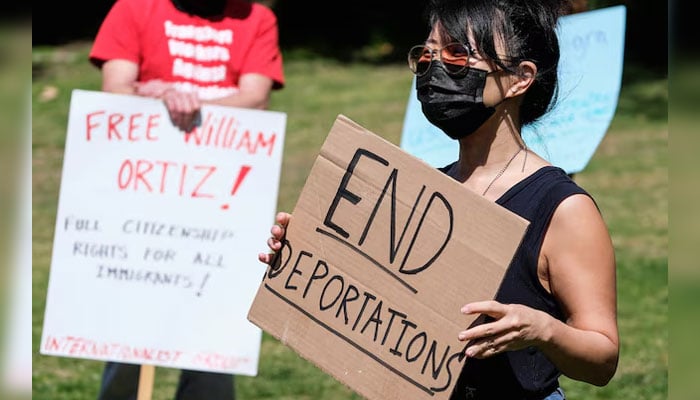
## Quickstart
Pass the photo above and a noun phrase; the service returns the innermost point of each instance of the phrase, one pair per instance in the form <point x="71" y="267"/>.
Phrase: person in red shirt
<point x="190" y="52"/>
<point x="187" y="53"/>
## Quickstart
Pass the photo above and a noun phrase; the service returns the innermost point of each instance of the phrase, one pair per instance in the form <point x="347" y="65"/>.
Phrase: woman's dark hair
<point x="527" y="29"/>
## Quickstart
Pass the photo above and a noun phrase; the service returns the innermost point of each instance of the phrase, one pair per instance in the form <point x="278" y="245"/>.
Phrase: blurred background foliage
<point x="369" y="31"/>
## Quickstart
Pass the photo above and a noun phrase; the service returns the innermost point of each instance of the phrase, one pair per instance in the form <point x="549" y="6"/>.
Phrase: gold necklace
<point x="503" y="170"/>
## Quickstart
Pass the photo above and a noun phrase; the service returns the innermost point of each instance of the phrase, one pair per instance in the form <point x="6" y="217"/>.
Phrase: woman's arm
<point x="579" y="254"/>
<point x="577" y="263"/>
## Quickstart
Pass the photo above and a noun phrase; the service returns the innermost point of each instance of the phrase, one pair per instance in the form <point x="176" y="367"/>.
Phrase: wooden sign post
<point x="146" y="379"/>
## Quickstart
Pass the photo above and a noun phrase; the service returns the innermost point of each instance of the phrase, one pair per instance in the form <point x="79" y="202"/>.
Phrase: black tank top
<point x="527" y="373"/>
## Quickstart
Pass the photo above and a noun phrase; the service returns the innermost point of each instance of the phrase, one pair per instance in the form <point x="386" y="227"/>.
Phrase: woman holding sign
<point x="488" y="68"/>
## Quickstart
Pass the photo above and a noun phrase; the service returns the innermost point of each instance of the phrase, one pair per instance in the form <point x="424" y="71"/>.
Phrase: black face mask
<point x="201" y="8"/>
<point x="454" y="104"/>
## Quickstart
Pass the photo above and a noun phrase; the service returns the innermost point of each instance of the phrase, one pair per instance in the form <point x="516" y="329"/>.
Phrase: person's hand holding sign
<point x="510" y="327"/>
<point x="275" y="241"/>
<point x="183" y="107"/>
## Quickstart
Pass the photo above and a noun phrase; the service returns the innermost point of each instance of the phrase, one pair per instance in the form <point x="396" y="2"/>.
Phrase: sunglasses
<point x="454" y="57"/>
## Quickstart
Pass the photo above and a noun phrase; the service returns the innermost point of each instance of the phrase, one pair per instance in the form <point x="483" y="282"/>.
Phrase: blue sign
<point x="590" y="74"/>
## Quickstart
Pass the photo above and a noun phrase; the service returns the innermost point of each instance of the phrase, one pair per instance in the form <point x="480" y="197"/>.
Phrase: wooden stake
<point x="146" y="377"/>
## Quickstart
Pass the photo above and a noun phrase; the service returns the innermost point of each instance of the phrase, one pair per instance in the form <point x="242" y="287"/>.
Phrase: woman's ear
<point x="520" y="82"/>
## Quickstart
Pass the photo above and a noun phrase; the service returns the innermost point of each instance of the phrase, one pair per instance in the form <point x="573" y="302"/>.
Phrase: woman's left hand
<point x="515" y="327"/>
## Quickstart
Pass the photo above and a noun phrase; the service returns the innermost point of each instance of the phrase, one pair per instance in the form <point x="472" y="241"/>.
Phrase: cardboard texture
<point x="380" y="255"/>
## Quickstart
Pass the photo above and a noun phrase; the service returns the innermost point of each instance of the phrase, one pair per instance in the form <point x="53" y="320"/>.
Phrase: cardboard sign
<point x="590" y="75"/>
<point x="157" y="234"/>
<point x="380" y="255"/>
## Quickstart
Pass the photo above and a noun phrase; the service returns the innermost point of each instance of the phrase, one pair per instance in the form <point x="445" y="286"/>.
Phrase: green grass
<point x="627" y="176"/>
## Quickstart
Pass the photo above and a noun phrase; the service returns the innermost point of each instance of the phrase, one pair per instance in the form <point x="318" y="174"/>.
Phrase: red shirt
<point x="198" y="54"/>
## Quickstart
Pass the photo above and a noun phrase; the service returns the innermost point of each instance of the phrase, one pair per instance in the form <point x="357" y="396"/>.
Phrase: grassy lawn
<point x="627" y="176"/>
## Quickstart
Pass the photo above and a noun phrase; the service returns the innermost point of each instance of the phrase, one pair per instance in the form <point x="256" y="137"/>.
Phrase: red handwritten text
<point x="81" y="347"/>
<point x="219" y="361"/>
<point x="223" y="132"/>
<point x="75" y="346"/>
<point x="117" y="126"/>
<point x="165" y="177"/>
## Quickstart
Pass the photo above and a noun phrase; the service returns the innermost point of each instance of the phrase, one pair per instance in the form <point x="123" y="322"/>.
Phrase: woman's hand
<point x="274" y="242"/>
<point x="515" y="327"/>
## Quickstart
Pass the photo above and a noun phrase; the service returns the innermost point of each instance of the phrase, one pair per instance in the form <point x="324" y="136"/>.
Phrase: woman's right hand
<point x="274" y="242"/>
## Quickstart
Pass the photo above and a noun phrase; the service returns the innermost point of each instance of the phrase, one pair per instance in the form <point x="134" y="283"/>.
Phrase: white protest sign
<point x="590" y="75"/>
<point x="157" y="234"/>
